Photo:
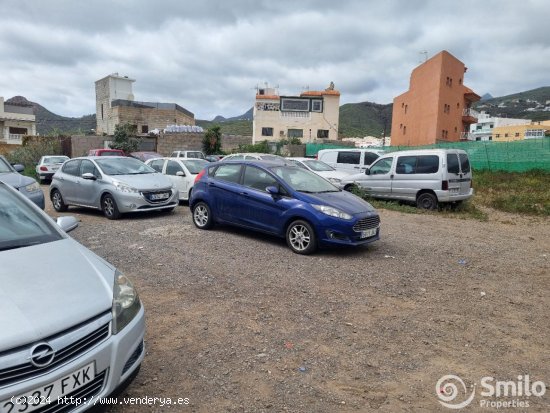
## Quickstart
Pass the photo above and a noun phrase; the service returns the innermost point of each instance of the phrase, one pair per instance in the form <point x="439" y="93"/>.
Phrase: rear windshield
<point x="109" y="153"/>
<point x="452" y="163"/>
<point x="464" y="163"/>
<point x="55" y="159"/>
<point x="318" y="166"/>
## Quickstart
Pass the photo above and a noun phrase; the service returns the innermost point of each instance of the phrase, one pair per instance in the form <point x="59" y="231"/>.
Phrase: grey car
<point x="112" y="184"/>
<point x="27" y="186"/>
<point x="72" y="326"/>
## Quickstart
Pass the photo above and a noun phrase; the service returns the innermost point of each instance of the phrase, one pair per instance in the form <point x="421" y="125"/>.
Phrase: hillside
<point x="365" y="119"/>
<point x="532" y="104"/>
<point x="48" y="122"/>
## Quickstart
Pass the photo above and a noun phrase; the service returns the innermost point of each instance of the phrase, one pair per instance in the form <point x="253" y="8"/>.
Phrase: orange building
<point x="437" y="106"/>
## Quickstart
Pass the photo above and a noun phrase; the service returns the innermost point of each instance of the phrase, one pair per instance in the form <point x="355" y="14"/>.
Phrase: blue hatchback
<point x="283" y="200"/>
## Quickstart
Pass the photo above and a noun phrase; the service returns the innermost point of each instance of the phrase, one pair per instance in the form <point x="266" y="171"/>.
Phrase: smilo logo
<point x="447" y="392"/>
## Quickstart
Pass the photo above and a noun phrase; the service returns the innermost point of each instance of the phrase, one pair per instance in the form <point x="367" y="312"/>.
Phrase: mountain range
<point x="356" y="119"/>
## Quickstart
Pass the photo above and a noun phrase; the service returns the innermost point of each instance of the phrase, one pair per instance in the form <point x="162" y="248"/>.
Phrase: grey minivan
<point x="71" y="325"/>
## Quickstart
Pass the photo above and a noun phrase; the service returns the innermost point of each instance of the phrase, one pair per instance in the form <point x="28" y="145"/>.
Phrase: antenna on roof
<point x="425" y="53"/>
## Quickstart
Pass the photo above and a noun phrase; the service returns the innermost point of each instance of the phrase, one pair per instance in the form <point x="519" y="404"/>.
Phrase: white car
<point x="181" y="171"/>
<point x="322" y="169"/>
<point x="252" y="156"/>
<point x="48" y="165"/>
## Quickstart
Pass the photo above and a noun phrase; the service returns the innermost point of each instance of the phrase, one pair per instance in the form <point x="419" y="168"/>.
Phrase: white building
<point x="483" y="129"/>
<point x="312" y="116"/>
<point x="16" y="121"/>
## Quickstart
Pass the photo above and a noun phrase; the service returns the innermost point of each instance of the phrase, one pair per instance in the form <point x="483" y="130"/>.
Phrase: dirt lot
<point x="238" y="323"/>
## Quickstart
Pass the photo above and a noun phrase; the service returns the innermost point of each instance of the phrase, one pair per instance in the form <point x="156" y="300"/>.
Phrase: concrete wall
<point x="169" y="142"/>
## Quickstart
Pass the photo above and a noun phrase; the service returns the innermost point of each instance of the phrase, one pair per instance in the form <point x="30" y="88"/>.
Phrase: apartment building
<point x="530" y="130"/>
<point x="486" y="124"/>
<point x="16" y="121"/>
<point x="311" y="116"/>
<point x="115" y="104"/>
<point x="437" y="106"/>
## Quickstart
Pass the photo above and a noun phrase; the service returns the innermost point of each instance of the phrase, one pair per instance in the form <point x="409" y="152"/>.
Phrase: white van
<point x="349" y="160"/>
<point x="423" y="176"/>
<point x="188" y="154"/>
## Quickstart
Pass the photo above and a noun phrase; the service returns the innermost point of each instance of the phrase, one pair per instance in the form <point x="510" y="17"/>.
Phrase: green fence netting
<point x="516" y="156"/>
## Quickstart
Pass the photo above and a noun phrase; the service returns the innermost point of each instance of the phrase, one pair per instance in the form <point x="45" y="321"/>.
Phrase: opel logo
<point x="42" y="355"/>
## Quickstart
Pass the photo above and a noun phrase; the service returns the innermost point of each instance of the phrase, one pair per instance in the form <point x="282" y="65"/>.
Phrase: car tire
<point x="301" y="238"/>
<point x="426" y="200"/>
<point x="109" y="207"/>
<point x="202" y="216"/>
<point x="57" y="201"/>
<point x="351" y="188"/>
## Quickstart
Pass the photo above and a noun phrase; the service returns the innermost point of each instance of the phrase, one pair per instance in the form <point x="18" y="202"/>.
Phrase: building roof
<point x="268" y="97"/>
<point x="470" y="94"/>
<point x="151" y="105"/>
<point x="320" y="93"/>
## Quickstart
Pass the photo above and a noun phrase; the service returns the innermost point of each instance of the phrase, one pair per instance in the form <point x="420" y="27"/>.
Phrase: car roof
<point x="433" y="151"/>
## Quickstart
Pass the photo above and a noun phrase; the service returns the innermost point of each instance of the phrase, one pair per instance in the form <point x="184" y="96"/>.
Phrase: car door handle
<point x="211" y="184"/>
<point x="243" y="193"/>
<point x="391" y="176"/>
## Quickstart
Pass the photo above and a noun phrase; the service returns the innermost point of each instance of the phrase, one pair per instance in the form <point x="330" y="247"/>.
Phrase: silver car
<point x="112" y="184"/>
<point x="71" y="325"/>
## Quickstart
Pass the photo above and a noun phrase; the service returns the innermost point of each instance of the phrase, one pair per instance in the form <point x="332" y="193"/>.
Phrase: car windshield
<point x="318" y="166"/>
<point x="124" y="166"/>
<point x="195" y="165"/>
<point x="20" y="225"/>
<point x="55" y="159"/>
<point x="303" y="180"/>
<point x="5" y="167"/>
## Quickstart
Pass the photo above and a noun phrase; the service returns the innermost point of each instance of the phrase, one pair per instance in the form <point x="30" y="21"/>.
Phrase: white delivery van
<point x="349" y="160"/>
<point x="423" y="176"/>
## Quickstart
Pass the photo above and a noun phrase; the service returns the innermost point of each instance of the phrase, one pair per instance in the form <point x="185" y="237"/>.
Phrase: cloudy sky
<point x="209" y="55"/>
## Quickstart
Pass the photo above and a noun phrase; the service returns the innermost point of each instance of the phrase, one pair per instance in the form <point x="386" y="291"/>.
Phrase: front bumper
<point x="334" y="231"/>
<point x="447" y="196"/>
<point x="115" y="359"/>
<point x="136" y="202"/>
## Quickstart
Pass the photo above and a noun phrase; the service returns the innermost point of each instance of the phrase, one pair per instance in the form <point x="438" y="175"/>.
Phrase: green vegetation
<point x="260" y="147"/>
<point x="124" y="138"/>
<point x="365" y="119"/>
<point x="229" y="127"/>
<point x="30" y="154"/>
<point x="212" y="141"/>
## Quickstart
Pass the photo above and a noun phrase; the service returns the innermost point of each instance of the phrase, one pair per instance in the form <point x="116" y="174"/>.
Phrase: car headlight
<point x="333" y="212"/>
<point x="122" y="187"/>
<point x="32" y="187"/>
<point x="126" y="303"/>
<point x="335" y="180"/>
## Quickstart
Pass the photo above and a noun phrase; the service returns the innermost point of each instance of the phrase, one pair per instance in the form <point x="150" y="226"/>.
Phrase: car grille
<point x="151" y="196"/>
<point x="133" y="358"/>
<point x="68" y="346"/>
<point x="84" y="393"/>
<point x="367" y="223"/>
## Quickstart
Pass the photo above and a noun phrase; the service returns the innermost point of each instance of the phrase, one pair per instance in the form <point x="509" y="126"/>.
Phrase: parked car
<point x="349" y="160"/>
<point x="10" y="174"/>
<point x="213" y="158"/>
<point x="106" y="152"/>
<point x="253" y="156"/>
<point x="423" y="176"/>
<point x="321" y="169"/>
<point x="282" y="200"/>
<point x="144" y="156"/>
<point x="72" y="325"/>
<point x="47" y="166"/>
<point x="181" y="171"/>
<point x="187" y="154"/>
<point x="112" y="184"/>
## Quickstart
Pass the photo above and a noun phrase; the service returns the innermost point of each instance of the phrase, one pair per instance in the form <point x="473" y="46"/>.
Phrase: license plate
<point x="164" y="195"/>
<point x="368" y="233"/>
<point x="49" y="393"/>
<point x="454" y="190"/>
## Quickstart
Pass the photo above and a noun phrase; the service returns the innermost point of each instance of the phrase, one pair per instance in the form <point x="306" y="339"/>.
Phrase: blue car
<point x="283" y="200"/>
<point x="27" y="186"/>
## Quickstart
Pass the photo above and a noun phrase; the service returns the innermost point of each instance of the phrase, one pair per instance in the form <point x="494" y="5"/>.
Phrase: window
<point x="316" y="105"/>
<point x="102" y="111"/>
<point x="370" y="157"/>
<point x="18" y="131"/>
<point x="478" y="127"/>
<point x="349" y="157"/>
<point x="172" y="168"/>
<point x="72" y="167"/>
<point x="381" y="167"/>
<point x="295" y="133"/>
<point x="295" y="104"/>
<point x="404" y="130"/>
<point x="267" y="131"/>
<point x="87" y="167"/>
<point x="230" y="173"/>
<point x="422" y="164"/>
<point x="157" y="165"/>
<point x="516" y="134"/>
<point x="497" y="135"/>
<point x="464" y="163"/>
<point x="257" y="179"/>
<point x="505" y="135"/>
<point x="144" y="128"/>
<point x="452" y="163"/>
<point x="322" y="133"/>
<point x="406" y="107"/>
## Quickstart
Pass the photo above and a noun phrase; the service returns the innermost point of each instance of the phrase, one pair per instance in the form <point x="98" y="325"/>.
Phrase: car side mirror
<point x="180" y="173"/>
<point x="367" y="171"/>
<point x="67" y="224"/>
<point x="273" y="190"/>
<point x="18" y="167"/>
<point x="89" y="176"/>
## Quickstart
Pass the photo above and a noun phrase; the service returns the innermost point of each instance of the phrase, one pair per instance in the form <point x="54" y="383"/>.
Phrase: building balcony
<point x="469" y="116"/>
<point x="13" y="139"/>
<point x="304" y="115"/>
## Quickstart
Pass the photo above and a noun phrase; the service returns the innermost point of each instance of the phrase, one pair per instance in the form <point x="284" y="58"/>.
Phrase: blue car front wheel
<point x="300" y="237"/>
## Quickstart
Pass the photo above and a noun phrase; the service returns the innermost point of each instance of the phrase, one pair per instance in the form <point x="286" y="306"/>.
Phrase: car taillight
<point x="43" y="168"/>
<point x="445" y="185"/>
<point x="199" y="176"/>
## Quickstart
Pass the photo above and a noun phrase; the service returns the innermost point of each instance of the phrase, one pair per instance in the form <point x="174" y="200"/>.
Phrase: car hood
<point x="333" y="174"/>
<point x="15" y="179"/>
<point x="343" y="200"/>
<point x="145" y="182"/>
<point x="62" y="285"/>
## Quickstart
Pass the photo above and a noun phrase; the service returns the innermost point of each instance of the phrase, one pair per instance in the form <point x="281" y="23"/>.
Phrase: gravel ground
<point x="238" y="323"/>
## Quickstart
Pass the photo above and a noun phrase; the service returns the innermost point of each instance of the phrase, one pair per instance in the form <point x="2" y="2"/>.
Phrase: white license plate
<point x="454" y="190"/>
<point x="49" y="393"/>
<point x="55" y="168"/>
<point x="368" y="233"/>
<point x="159" y="196"/>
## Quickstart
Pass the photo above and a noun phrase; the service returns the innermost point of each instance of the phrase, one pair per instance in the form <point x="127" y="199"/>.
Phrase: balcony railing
<point x="471" y="112"/>
<point x="295" y="114"/>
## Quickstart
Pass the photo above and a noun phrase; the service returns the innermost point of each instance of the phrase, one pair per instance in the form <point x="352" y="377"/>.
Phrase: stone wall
<point x="169" y="142"/>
